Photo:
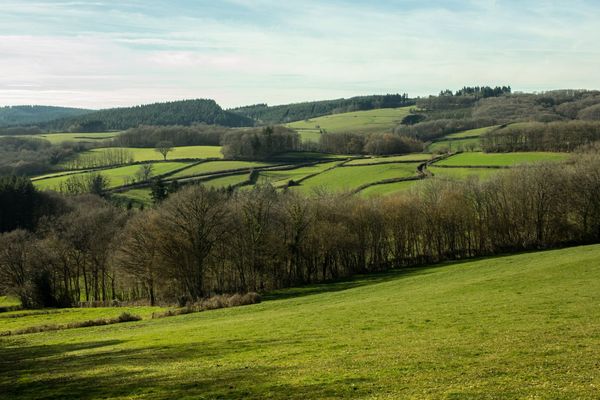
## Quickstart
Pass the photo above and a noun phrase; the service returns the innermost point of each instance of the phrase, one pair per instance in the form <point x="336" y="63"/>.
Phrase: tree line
<point x="199" y="242"/>
<point x="537" y="136"/>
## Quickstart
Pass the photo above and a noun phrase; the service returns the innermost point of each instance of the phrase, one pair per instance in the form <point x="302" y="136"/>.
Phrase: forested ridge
<point x="280" y="114"/>
<point x="185" y="112"/>
<point x="32" y="115"/>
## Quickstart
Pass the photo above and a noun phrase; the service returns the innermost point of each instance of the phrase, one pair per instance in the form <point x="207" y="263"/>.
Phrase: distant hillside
<point x="301" y="111"/>
<point x="33" y="115"/>
<point x="185" y="112"/>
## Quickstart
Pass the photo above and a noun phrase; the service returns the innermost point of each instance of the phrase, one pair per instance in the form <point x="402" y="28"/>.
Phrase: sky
<point x="101" y="53"/>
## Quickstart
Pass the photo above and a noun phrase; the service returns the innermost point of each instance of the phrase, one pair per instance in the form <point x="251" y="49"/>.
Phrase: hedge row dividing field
<point x="519" y="326"/>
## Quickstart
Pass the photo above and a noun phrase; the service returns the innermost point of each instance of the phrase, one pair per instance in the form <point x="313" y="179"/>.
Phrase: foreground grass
<point x="523" y="326"/>
<point x="381" y="120"/>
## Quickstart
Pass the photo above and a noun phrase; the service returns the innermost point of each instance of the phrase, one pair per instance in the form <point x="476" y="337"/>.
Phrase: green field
<point x="184" y="152"/>
<point x="349" y="178"/>
<point x="513" y="327"/>
<point x="14" y="320"/>
<point x="217" y="166"/>
<point x="116" y="176"/>
<point x="462" y="173"/>
<point x="470" y="132"/>
<point x="454" y="145"/>
<point x="140" y="196"/>
<point x="405" y="157"/>
<point x="6" y="301"/>
<point x="380" y="120"/>
<point x="225" y="181"/>
<point x="501" y="159"/>
<point x="309" y="135"/>
<point x="57" y="138"/>
<point x="284" y="176"/>
<point x="389" y="189"/>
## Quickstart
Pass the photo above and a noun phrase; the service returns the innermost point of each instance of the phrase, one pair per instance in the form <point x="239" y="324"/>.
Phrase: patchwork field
<point x="402" y="158"/>
<point x="462" y="173"/>
<point x="217" y="166"/>
<point x="349" y="178"/>
<point x="389" y="189"/>
<point x="476" y="159"/>
<point x="521" y="326"/>
<point x="381" y="120"/>
<point x="116" y="176"/>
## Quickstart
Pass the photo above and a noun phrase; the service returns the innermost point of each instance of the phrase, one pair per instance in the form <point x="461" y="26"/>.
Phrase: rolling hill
<point x="520" y="326"/>
<point x="33" y="115"/>
<point x="185" y="112"/>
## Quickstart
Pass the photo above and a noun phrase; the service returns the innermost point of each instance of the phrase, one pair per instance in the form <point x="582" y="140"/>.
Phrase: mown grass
<point x="454" y="145"/>
<point x="184" y="152"/>
<point x="389" y="189"/>
<point x="470" y="132"/>
<point x="58" y="138"/>
<point x="9" y="301"/>
<point x="116" y="176"/>
<point x="283" y="176"/>
<point x="462" y="173"/>
<point x="349" y="178"/>
<point x="225" y="181"/>
<point x="382" y="120"/>
<point x="218" y="166"/>
<point x="501" y="159"/>
<point x="521" y="326"/>
<point x="309" y="135"/>
<point x="22" y="319"/>
<point x="140" y="196"/>
<point x="405" y="157"/>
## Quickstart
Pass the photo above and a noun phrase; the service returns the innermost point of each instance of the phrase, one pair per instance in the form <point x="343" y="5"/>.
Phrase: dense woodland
<point x="186" y="112"/>
<point x="300" y="111"/>
<point x="32" y="115"/>
<point x="200" y="242"/>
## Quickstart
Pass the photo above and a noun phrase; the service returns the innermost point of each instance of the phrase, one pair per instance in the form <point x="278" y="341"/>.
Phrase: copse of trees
<point x="259" y="143"/>
<point x="199" y="242"/>
<point x="375" y="143"/>
<point x="301" y="111"/>
<point x="538" y="136"/>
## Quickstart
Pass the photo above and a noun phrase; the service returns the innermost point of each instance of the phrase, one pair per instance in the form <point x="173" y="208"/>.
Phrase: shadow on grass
<point x="374" y="278"/>
<point x="109" y="369"/>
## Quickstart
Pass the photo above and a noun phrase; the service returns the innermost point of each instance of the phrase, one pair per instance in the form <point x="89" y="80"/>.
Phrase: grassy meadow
<point x="389" y="189"/>
<point x="519" y="326"/>
<point x="402" y="158"/>
<point x="116" y="176"/>
<point x="58" y="138"/>
<point x="476" y="159"/>
<point x="462" y="173"/>
<point x="380" y="120"/>
<point x="217" y="166"/>
<point x="349" y="178"/>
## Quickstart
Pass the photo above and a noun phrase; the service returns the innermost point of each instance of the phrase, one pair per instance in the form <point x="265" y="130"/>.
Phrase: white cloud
<point x="286" y="51"/>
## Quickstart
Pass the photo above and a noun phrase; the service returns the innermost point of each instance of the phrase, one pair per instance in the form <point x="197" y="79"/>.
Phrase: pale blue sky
<point x="102" y="53"/>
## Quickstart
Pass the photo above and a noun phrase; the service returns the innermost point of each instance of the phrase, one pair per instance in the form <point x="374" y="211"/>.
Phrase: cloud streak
<point x="100" y="53"/>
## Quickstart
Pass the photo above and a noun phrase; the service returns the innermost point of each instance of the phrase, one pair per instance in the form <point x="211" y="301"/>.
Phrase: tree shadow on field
<point x="352" y="282"/>
<point x="108" y="369"/>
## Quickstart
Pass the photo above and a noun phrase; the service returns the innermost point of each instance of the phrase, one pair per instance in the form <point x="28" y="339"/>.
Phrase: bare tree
<point x="164" y="148"/>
